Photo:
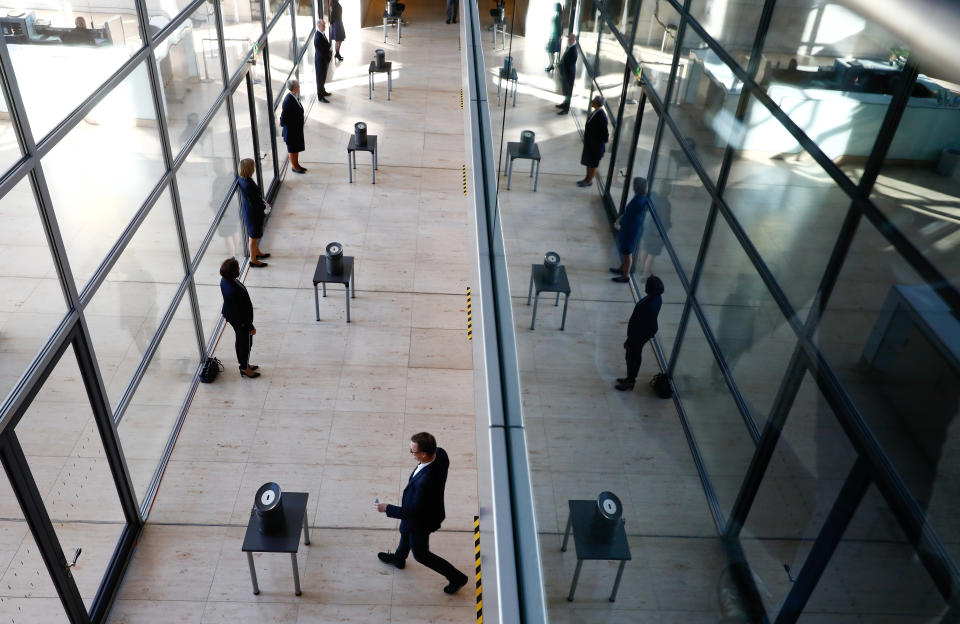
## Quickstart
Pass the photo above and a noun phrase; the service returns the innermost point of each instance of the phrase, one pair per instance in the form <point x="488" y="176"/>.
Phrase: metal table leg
<point x="369" y="85"/>
<point x="384" y="30"/>
<point x="557" y="300"/>
<point x="316" y="301"/>
<point x="306" y="530"/>
<point x="353" y="284"/>
<point x="515" y="84"/>
<point x="373" y="166"/>
<point x="509" y="171"/>
<point x="253" y="574"/>
<point x="530" y="289"/>
<point x="499" y="83"/>
<point x="576" y="577"/>
<point x="349" y="168"/>
<point x="532" y="162"/>
<point x="536" y="300"/>
<point x="399" y="28"/>
<point x="346" y="292"/>
<point x="616" y="583"/>
<point x="566" y="300"/>
<point x="389" y="83"/>
<point x="324" y="286"/>
<point x="537" y="178"/>
<point x="296" y="573"/>
<point x="566" y="533"/>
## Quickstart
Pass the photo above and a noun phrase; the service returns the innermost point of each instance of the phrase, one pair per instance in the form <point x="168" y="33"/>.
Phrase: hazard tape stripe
<point x="476" y="550"/>
<point x="469" y="316"/>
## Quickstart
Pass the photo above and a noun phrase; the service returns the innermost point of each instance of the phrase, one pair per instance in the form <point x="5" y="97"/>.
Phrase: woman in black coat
<point x="641" y="328"/>
<point x="238" y="310"/>
<point x="253" y="210"/>
<point x="291" y="120"/>
<point x="595" y="137"/>
<point x="337" y="32"/>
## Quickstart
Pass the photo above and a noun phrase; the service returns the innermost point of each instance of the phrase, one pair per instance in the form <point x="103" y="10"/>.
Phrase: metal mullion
<point x="851" y="494"/>
<point x="613" y="29"/>
<point x="113" y="577"/>
<point x="271" y="122"/>
<point x="632" y="155"/>
<point x="44" y="535"/>
<point x="168" y="29"/>
<point x="221" y="44"/>
<point x="254" y="131"/>
<point x="15" y="174"/>
<point x="616" y="136"/>
<point x="188" y="270"/>
<point x="675" y="62"/>
<point x="294" y="50"/>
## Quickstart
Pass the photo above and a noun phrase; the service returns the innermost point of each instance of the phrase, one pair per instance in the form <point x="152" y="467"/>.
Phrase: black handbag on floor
<point x="661" y="386"/>
<point x="211" y="367"/>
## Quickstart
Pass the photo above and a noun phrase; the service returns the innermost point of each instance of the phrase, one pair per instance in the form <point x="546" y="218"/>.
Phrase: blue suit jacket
<point x="422" y="506"/>
<point x="568" y="64"/>
<point x="237" y="307"/>
<point x="252" y="206"/>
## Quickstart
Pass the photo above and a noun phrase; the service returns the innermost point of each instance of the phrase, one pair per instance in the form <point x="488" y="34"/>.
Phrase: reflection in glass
<point x="280" y="50"/>
<point x="150" y="416"/>
<point x="94" y="204"/>
<point x="263" y="106"/>
<point x="732" y="24"/>
<point x="887" y="335"/>
<point x="228" y="241"/>
<point x="190" y="75"/>
<point x="630" y="119"/>
<point x="32" y="302"/>
<point x="719" y="430"/>
<point x="204" y="179"/>
<point x="654" y="42"/>
<point x="304" y="23"/>
<point x="677" y="182"/>
<point x="10" y="151"/>
<point x="62" y="53"/>
<point x="609" y="78"/>
<point x="126" y="310"/>
<point x="58" y="433"/>
<point x="588" y="34"/>
<point x="241" y="28"/>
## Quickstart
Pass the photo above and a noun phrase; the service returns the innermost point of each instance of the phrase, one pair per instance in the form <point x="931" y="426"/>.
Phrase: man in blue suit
<point x="421" y="511"/>
<point x="568" y="73"/>
<point x="238" y="311"/>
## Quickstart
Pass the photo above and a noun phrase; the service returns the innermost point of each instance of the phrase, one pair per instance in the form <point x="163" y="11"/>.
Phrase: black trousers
<point x="321" y="76"/>
<point x="453" y="11"/>
<point x="419" y="543"/>
<point x="567" y="90"/>
<point x="243" y="344"/>
<point x="634" y="356"/>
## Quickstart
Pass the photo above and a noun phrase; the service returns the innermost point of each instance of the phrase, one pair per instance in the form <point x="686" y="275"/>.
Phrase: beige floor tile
<point x="216" y="435"/>
<point x="156" y="612"/>
<point x="197" y="492"/>
<point x="364" y="439"/>
<point x="173" y="563"/>
<point x="365" y="580"/>
<point x="440" y="348"/>
<point x="417" y="585"/>
<point x="291" y="436"/>
<point x="347" y="495"/>
<point x="378" y="347"/>
<point x="439" y="391"/>
<point x="342" y="614"/>
<point x="371" y="389"/>
<point x="239" y="613"/>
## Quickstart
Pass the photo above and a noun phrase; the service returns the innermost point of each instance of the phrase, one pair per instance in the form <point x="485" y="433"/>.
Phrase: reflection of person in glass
<point x="651" y="245"/>
<point x="253" y="210"/>
<point x="641" y="328"/>
<point x="553" y="43"/>
<point x="631" y="229"/>
<point x="595" y="137"/>
<point x="238" y="310"/>
<point x="291" y="120"/>
<point x="321" y="60"/>
<point x="568" y="73"/>
<point x="337" y="32"/>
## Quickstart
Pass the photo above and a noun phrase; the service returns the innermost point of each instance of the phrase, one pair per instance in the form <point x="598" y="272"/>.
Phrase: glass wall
<point x="108" y="306"/>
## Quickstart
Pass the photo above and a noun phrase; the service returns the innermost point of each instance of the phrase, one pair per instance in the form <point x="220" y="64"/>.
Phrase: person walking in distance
<point x="641" y="328"/>
<point x="421" y="511"/>
<point x="238" y="310"/>
<point x="568" y="73"/>
<point x="321" y="60"/>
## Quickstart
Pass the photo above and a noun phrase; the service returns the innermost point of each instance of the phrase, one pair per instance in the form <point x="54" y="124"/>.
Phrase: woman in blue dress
<point x="631" y="228"/>
<point x="337" y="32"/>
<point x="253" y="210"/>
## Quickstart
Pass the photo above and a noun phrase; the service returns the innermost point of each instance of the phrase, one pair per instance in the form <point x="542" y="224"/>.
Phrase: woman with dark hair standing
<point x="253" y="210"/>
<point x="238" y="310"/>
<point x="337" y="32"/>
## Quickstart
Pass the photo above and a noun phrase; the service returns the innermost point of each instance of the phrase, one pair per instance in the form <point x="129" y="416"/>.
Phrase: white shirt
<point x="420" y="467"/>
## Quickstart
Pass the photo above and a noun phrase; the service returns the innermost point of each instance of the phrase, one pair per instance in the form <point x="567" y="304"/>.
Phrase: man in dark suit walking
<point x="321" y="60"/>
<point x="568" y="73"/>
<point x="641" y="328"/>
<point x="595" y="137"/>
<point x="238" y="310"/>
<point x="292" y="120"/>
<point x="421" y="512"/>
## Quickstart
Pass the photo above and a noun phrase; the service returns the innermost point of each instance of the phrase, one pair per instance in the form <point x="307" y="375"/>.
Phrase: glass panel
<point x="32" y="302"/>
<point x="307" y="76"/>
<point x="892" y="342"/>
<point x="610" y="68"/>
<point x="126" y="310"/>
<point x="59" y="433"/>
<point x="93" y="203"/>
<point x="263" y="125"/>
<point x="149" y="419"/>
<point x="732" y="24"/>
<point x="229" y="240"/>
<point x="654" y="42"/>
<point x="652" y="259"/>
<point x="272" y="7"/>
<point x="589" y="32"/>
<point x="618" y="181"/>
<point x="61" y="54"/>
<point x="241" y="116"/>
<point x="281" y="55"/>
<point x="704" y="102"/>
<point x="791" y="209"/>
<point x="750" y="328"/>
<point x="10" y="151"/>
<point x="190" y="75"/>
<point x="205" y="178"/>
<point x="830" y="70"/>
<point x="919" y="183"/>
<point x="304" y="23"/>
<point x="868" y="577"/>
<point x="676" y="181"/>
<point x="621" y="12"/>
<point x="804" y="478"/>
<point x="27" y="595"/>
<point x="717" y="425"/>
<point x="241" y="28"/>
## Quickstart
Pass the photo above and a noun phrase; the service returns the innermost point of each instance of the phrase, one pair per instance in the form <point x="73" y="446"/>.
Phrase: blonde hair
<point x="246" y="168"/>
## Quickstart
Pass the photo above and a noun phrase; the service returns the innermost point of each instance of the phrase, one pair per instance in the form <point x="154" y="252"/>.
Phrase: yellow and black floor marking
<point x="461" y="99"/>
<point x="469" y="316"/>
<point x="464" y="180"/>
<point x="476" y="554"/>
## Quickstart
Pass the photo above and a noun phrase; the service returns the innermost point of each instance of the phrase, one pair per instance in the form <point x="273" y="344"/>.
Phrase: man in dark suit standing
<point x="641" y="328"/>
<point x="238" y="310"/>
<point x="421" y="512"/>
<point x="321" y="60"/>
<point x="595" y="137"/>
<point x="568" y="73"/>
<point x="453" y="9"/>
<point x="292" y="120"/>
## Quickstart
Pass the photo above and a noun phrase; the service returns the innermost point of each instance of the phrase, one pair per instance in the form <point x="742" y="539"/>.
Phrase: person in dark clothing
<point x="337" y="32"/>
<point x="453" y="8"/>
<point x="238" y="310"/>
<point x="498" y="12"/>
<point x="553" y="43"/>
<point x="568" y="73"/>
<point x="631" y="229"/>
<point x="253" y="210"/>
<point x="595" y="137"/>
<point x="321" y="60"/>
<point x="292" y="120"/>
<point x="641" y="328"/>
<point x="421" y="511"/>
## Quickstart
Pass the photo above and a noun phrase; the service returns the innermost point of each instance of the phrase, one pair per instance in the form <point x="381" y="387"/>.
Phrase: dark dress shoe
<point x="391" y="559"/>
<point x="620" y="279"/>
<point x="454" y="587"/>
<point x="259" y="265"/>
<point x="617" y="271"/>
<point x="624" y="386"/>
<point x="563" y="111"/>
<point x="324" y="100"/>
<point x="266" y="255"/>
<point x="300" y="170"/>
<point x="583" y="184"/>
<point x="252" y="367"/>
<point x="558" y="106"/>
<point x="448" y="21"/>
<point x="243" y="373"/>
<point x="621" y="380"/>
<point x="326" y="94"/>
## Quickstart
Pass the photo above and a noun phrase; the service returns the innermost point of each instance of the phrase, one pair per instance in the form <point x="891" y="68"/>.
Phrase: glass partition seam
<point x="632" y="150"/>
<point x="115" y="572"/>
<point x="616" y="142"/>
<point x="222" y="46"/>
<point x="254" y="131"/>
<point x="675" y="60"/>
<point x="16" y="173"/>
<point x="35" y="514"/>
